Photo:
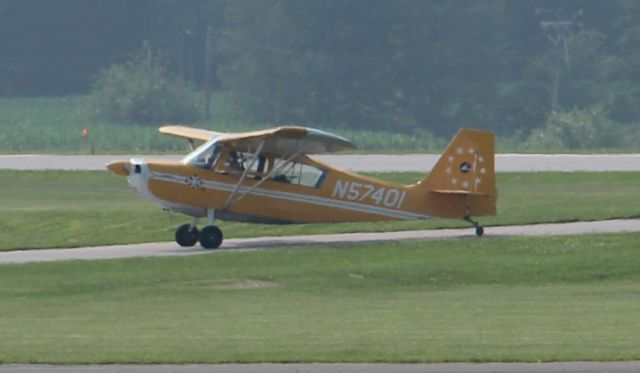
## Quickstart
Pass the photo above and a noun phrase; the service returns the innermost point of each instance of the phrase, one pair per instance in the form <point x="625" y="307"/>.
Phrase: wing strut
<point x="231" y="201"/>
<point x="244" y="176"/>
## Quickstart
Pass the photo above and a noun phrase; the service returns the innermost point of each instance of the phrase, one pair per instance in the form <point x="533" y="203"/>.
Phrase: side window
<point x="211" y="158"/>
<point x="301" y="174"/>
<point x="234" y="161"/>
<point x="229" y="162"/>
<point x="258" y="168"/>
<point x="205" y="156"/>
<point x="311" y="176"/>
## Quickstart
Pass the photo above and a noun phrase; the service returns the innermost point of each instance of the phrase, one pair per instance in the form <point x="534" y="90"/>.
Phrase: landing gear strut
<point x="210" y="237"/>
<point x="479" y="228"/>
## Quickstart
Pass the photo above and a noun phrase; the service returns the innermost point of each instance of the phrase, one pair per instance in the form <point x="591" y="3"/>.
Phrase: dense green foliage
<point x="70" y="209"/>
<point x="582" y="129"/>
<point x="494" y="299"/>
<point x="142" y="91"/>
<point x="520" y="68"/>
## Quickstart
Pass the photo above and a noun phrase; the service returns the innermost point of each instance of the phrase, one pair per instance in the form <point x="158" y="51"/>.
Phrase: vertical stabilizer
<point x="463" y="182"/>
<point x="466" y="166"/>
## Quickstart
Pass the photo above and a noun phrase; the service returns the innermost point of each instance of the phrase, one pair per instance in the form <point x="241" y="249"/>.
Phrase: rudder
<point x="466" y="170"/>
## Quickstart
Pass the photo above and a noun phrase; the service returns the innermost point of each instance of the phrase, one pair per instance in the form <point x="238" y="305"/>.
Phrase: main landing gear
<point x="210" y="237"/>
<point x="479" y="228"/>
<point x="187" y="235"/>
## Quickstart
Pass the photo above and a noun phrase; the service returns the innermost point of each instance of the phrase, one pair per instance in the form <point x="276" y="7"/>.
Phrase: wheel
<point x="210" y="237"/>
<point x="479" y="231"/>
<point x="186" y="236"/>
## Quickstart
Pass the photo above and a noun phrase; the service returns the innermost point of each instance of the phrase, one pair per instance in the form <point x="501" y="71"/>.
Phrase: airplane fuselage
<point x="267" y="177"/>
<point x="337" y="195"/>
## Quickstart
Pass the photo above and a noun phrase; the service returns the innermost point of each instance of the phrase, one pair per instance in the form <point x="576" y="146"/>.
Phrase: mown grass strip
<point x="495" y="299"/>
<point x="41" y="209"/>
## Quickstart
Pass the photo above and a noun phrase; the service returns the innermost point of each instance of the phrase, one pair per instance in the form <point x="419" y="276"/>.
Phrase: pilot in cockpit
<point x="234" y="162"/>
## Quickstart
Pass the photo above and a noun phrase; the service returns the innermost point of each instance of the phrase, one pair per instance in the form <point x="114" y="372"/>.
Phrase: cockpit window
<point x="235" y="161"/>
<point x="211" y="155"/>
<point x="204" y="156"/>
<point x="301" y="174"/>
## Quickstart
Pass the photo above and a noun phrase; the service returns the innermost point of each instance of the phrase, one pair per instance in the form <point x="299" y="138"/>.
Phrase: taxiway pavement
<point x="158" y="249"/>
<point x="361" y="162"/>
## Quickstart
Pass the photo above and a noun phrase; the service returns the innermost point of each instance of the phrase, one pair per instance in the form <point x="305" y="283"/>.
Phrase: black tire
<point x="185" y="236"/>
<point x="211" y="237"/>
<point x="479" y="231"/>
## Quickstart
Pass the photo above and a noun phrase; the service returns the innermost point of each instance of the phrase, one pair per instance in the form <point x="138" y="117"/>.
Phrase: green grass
<point x="41" y="209"/>
<point x="495" y="299"/>
<point x="54" y="125"/>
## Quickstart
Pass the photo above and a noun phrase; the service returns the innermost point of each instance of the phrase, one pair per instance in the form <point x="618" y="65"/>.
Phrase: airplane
<point x="268" y="176"/>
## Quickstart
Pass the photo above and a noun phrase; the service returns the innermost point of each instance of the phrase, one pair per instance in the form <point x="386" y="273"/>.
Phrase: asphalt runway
<point x="159" y="249"/>
<point x="361" y="162"/>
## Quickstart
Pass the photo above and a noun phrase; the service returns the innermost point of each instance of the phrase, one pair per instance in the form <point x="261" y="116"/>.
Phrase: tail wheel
<point x="211" y="237"/>
<point x="186" y="235"/>
<point x="479" y="231"/>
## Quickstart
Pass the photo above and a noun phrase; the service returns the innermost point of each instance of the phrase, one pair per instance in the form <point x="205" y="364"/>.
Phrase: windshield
<point x="204" y="155"/>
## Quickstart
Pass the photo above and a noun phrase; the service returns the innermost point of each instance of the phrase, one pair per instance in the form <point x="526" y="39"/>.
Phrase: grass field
<point x="496" y="299"/>
<point x="40" y="209"/>
<point x="54" y="125"/>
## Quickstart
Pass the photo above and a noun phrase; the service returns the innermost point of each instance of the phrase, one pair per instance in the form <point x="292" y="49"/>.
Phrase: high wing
<point x="287" y="140"/>
<point x="189" y="133"/>
<point x="278" y="141"/>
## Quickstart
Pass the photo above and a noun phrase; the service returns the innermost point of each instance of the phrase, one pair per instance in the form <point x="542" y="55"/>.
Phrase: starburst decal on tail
<point x="470" y="169"/>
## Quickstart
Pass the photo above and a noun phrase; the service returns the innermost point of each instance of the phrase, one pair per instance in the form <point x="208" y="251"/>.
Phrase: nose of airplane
<point x="121" y="168"/>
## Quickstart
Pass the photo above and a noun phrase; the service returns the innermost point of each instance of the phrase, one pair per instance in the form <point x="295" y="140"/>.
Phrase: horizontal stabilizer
<point x="465" y="192"/>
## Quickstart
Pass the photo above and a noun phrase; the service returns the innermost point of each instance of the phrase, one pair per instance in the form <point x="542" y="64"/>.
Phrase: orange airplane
<point x="268" y="177"/>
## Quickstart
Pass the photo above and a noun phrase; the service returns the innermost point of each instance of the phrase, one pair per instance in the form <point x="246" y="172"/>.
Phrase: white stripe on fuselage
<point x="295" y="197"/>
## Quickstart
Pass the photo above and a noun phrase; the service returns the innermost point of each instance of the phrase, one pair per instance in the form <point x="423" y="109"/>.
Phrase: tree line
<point x="355" y="64"/>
